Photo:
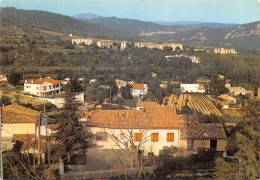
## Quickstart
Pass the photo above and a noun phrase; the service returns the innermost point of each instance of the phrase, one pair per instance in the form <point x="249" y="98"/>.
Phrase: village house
<point x="105" y="44"/>
<point x="17" y="119"/>
<point x="230" y="99"/>
<point x="164" y="86"/>
<point x="195" y="135"/>
<point x="91" y="81"/>
<point x="3" y="78"/>
<point x="237" y="90"/>
<point x="42" y="87"/>
<point x="197" y="88"/>
<point x="153" y="74"/>
<point x="139" y="90"/>
<point x="151" y="128"/>
<point x="120" y="83"/>
<point x="123" y="45"/>
<point x="80" y="41"/>
<point x="224" y="51"/>
<point x="65" y="81"/>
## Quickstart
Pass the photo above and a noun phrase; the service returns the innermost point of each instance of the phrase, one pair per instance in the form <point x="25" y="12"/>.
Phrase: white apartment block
<point x="42" y="87"/>
<point x="79" y="41"/>
<point x="105" y="44"/>
<point x="151" y="45"/>
<point x="224" y="51"/>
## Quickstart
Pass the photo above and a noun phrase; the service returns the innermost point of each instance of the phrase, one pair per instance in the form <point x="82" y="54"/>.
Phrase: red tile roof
<point x="146" y="104"/>
<point x="192" y="129"/>
<point x="18" y="114"/>
<point x="40" y="81"/>
<point x="151" y="118"/>
<point x="137" y="86"/>
<point x="29" y="141"/>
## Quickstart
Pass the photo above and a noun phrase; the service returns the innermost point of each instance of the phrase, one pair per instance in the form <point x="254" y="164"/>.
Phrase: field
<point x="232" y="113"/>
<point x="198" y="102"/>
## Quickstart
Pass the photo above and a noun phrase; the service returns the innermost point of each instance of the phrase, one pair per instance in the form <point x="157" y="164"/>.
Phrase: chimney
<point x="144" y="112"/>
<point x="123" y="116"/>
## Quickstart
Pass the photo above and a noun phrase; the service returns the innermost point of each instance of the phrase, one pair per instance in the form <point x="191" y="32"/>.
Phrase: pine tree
<point x="70" y="135"/>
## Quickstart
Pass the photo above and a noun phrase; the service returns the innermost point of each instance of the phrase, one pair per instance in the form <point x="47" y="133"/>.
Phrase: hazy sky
<point x="223" y="11"/>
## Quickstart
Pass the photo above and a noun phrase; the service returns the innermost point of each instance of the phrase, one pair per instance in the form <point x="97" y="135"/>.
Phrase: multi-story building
<point x="151" y="45"/>
<point x="149" y="129"/>
<point x="224" y="51"/>
<point x="139" y="90"/>
<point x="42" y="87"/>
<point x="237" y="90"/>
<point x="105" y="44"/>
<point x="80" y="41"/>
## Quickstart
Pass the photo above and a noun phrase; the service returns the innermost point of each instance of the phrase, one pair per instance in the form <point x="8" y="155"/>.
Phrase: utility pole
<point x="1" y="150"/>
<point x="39" y="138"/>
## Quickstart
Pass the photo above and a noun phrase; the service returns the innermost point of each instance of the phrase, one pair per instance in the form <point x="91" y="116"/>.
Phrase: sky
<point x="221" y="11"/>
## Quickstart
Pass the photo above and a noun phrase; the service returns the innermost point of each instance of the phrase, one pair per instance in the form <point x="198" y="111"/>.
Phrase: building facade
<point x="80" y="41"/>
<point x="197" y="88"/>
<point x="42" y="87"/>
<point x="105" y="44"/>
<point x="149" y="129"/>
<point x="151" y="45"/>
<point x="139" y="90"/>
<point x="224" y="51"/>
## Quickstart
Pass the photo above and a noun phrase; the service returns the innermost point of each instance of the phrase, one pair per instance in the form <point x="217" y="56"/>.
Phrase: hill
<point x="59" y="23"/>
<point x="86" y="16"/>
<point x="134" y="26"/>
<point x="197" y="25"/>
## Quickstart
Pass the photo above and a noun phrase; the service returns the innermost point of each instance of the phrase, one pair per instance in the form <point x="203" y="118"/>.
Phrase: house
<point x="237" y="90"/>
<point x="223" y="104"/>
<point x="3" y="78"/>
<point x="120" y="83"/>
<point x="154" y="75"/>
<point x="151" y="128"/>
<point x="123" y="45"/>
<point x="105" y="44"/>
<point x="164" y="86"/>
<point x="224" y="51"/>
<point x="66" y="80"/>
<point x="139" y="90"/>
<point x="198" y="88"/>
<point x="42" y="87"/>
<point x="17" y="119"/>
<point x="91" y="81"/>
<point x="220" y="76"/>
<point x="80" y="41"/>
<point x="228" y="98"/>
<point x="195" y="135"/>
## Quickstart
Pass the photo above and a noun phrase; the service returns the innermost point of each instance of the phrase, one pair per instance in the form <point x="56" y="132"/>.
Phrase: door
<point x="213" y="144"/>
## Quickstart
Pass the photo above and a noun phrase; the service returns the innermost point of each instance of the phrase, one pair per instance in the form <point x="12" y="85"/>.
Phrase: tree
<point x="5" y="100"/>
<point x="70" y="133"/>
<point x="14" y="78"/>
<point x="245" y="140"/>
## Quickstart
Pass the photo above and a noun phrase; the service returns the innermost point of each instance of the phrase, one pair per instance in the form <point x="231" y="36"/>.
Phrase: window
<point x="45" y="88"/>
<point x="37" y="88"/>
<point x="101" y="136"/>
<point x="138" y="136"/>
<point x="190" y="144"/>
<point x="170" y="136"/>
<point x="213" y="144"/>
<point x="155" y="137"/>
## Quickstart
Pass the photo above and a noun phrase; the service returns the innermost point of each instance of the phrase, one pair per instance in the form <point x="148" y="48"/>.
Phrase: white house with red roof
<point x="139" y="90"/>
<point x="42" y="87"/>
<point x="149" y="129"/>
<point x="197" y="88"/>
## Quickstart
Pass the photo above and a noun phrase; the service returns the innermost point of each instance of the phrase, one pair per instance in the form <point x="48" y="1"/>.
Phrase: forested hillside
<point x="27" y="19"/>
